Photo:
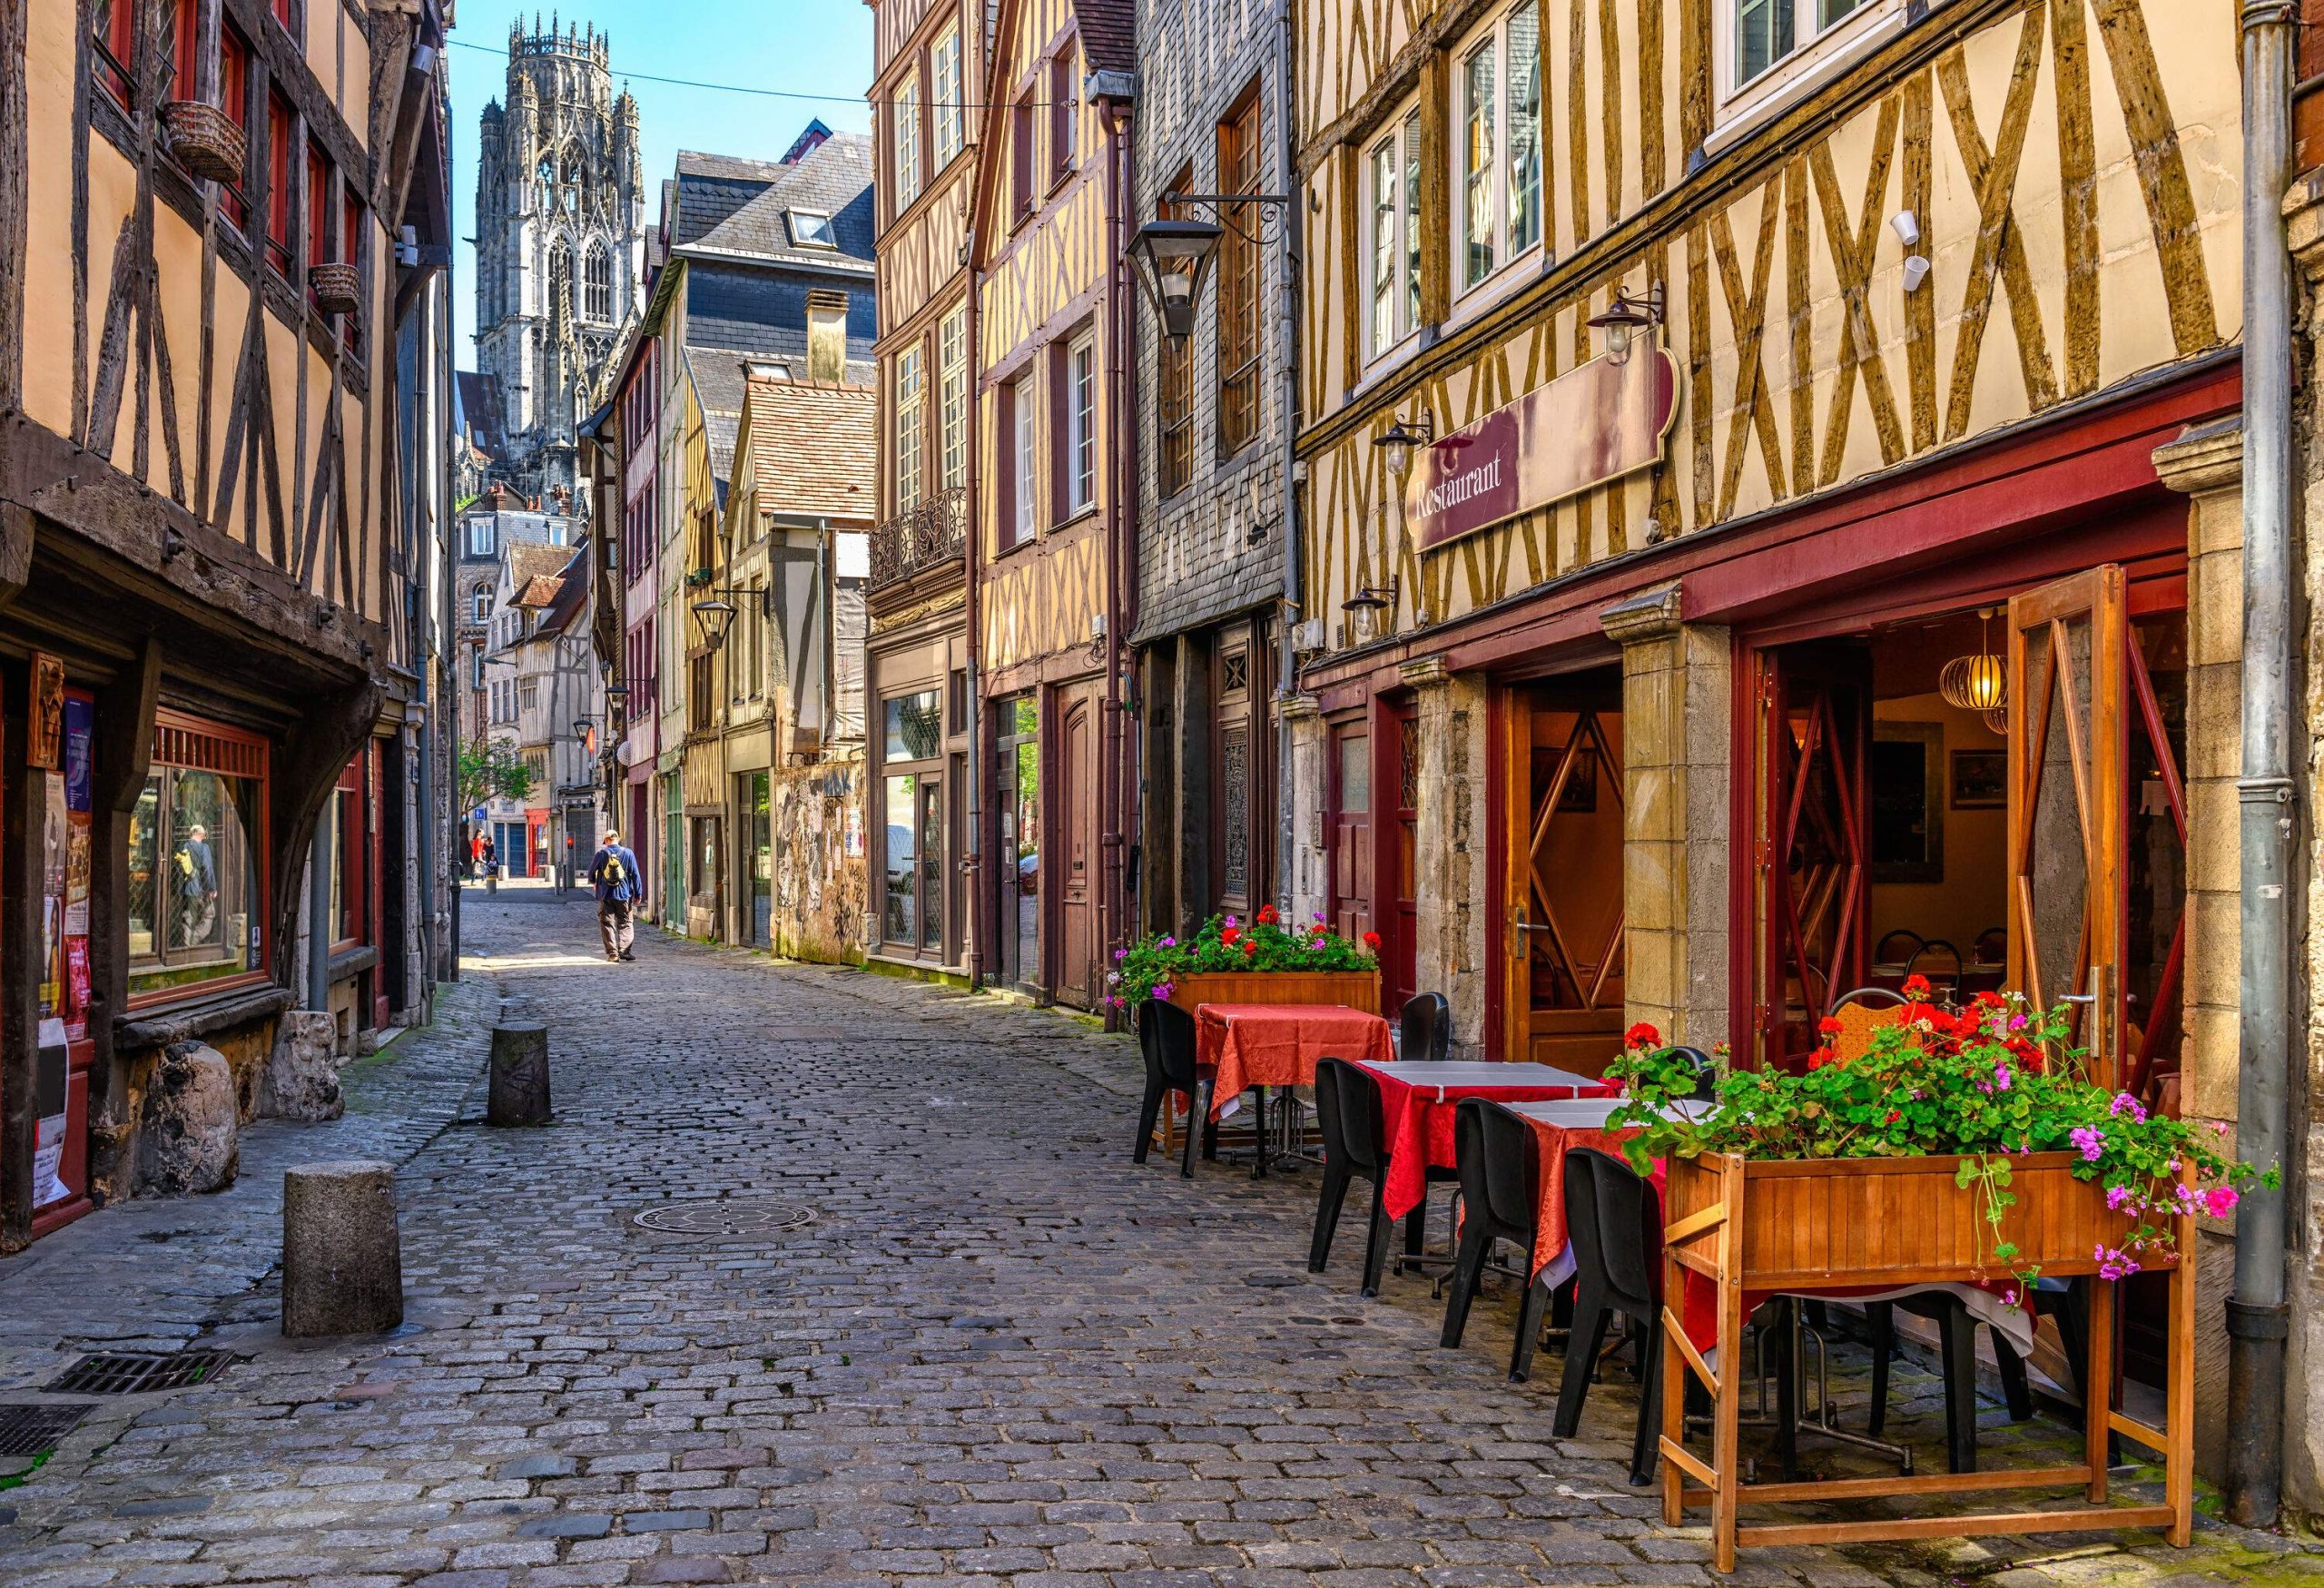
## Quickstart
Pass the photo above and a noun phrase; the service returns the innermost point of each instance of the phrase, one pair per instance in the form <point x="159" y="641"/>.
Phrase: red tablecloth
<point x="1549" y="1145"/>
<point x="1276" y="1044"/>
<point x="1416" y="1128"/>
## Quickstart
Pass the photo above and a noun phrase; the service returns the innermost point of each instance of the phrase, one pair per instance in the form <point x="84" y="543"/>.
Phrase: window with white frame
<point x="1392" y="235"/>
<point x="1027" y="454"/>
<point x="911" y="419"/>
<point x="1764" y="43"/>
<point x="907" y="126"/>
<point x="1497" y="160"/>
<point x="480" y="605"/>
<point x="1080" y="424"/>
<point x="484" y="536"/>
<point x="944" y="107"/>
<point x="953" y="395"/>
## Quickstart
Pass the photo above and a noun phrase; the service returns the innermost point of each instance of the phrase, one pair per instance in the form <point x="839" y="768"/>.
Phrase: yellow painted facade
<point x="2071" y="165"/>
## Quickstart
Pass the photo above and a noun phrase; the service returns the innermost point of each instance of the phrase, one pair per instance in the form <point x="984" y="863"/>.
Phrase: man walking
<point x="612" y="872"/>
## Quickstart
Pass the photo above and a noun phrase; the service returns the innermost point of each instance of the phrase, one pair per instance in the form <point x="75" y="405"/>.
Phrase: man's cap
<point x="612" y="836"/>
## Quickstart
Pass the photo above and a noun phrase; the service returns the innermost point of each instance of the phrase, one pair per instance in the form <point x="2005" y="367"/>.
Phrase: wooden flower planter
<point x="1356" y="989"/>
<point x="1804" y="1226"/>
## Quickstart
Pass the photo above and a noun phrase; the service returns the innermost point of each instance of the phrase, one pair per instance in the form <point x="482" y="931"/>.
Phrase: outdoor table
<point x="1556" y="1128"/>
<point x="1417" y="1099"/>
<point x="1238" y="1046"/>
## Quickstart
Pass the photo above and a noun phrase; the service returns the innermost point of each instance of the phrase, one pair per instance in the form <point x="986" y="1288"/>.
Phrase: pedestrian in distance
<point x="613" y="872"/>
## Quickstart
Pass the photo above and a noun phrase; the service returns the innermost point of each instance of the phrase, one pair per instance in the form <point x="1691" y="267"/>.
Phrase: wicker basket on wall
<point x="203" y="140"/>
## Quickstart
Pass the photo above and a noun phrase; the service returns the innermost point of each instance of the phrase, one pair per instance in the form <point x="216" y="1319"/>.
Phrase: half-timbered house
<point x="217" y="218"/>
<point x="1056" y="501"/>
<point x="930" y="59"/>
<point x="1749" y="454"/>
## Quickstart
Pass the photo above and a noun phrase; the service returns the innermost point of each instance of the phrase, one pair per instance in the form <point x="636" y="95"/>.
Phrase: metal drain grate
<point x="36" y="1430"/>
<point x="724" y="1217"/>
<point x="139" y="1372"/>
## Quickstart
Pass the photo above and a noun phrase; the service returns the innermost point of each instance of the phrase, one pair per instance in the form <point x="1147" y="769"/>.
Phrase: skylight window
<point x="811" y="228"/>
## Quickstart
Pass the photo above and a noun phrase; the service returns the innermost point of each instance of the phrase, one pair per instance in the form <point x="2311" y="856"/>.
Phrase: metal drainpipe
<point x="1287" y="647"/>
<point x="973" y="874"/>
<point x="2257" y="1315"/>
<point x="1121" y="563"/>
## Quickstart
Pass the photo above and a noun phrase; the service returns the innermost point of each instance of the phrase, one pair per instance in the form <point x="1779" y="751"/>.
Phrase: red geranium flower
<point x="1917" y="986"/>
<point x="1250" y="945"/>
<point x="1268" y="917"/>
<point x="1829" y="1027"/>
<point x="1229" y="934"/>
<point x="1641" y="1035"/>
<point x="1372" y="940"/>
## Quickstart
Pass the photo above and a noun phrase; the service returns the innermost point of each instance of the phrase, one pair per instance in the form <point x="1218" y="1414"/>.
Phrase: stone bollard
<point x="518" y="1092"/>
<point x="342" y="1256"/>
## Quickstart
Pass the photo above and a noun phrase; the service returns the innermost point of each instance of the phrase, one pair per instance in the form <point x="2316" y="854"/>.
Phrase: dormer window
<point x="811" y="228"/>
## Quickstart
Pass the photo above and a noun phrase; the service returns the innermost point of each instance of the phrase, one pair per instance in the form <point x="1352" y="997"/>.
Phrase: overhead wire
<point x="774" y="92"/>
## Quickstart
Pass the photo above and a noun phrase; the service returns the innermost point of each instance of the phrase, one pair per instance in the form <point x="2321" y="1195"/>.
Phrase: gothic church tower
<point x="560" y="220"/>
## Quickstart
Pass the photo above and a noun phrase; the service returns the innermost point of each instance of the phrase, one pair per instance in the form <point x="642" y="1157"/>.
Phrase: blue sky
<point x="816" y="47"/>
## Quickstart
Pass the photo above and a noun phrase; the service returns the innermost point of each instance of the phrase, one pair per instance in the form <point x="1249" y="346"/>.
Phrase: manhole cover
<point x="724" y="1217"/>
<point x="35" y="1430"/>
<point x="139" y="1372"/>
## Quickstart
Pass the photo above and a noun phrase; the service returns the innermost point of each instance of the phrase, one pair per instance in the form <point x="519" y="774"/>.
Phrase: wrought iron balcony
<point x="935" y="531"/>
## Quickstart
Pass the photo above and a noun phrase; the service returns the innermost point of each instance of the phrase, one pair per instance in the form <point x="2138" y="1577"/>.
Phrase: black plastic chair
<point x="1992" y="946"/>
<point x="1500" y="1200"/>
<point x="1347" y="1114"/>
<point x="1613" y="1221"/>
<point x="1906" y="944"/>
<point x="1934" y="946"/>
<point x="1165" y="1036"/>
<point x="1425" y="1027"/>
<point x="1956" y="1333"/>
<point x="1706" y="1074"/>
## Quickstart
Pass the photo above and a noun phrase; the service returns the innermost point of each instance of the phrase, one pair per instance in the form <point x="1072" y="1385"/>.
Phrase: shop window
<point x="1392" y="236"/>
<point x="944" y="107"/>
<point x="1239" y="163"/>
<point x="915" y="731"/>
<point x="197" y="837"/>
<point x="1497" y="170"/>
<point x="900" y="921"/>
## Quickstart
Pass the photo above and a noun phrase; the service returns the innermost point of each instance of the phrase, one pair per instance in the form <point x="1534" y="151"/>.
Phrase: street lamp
<point x="1174" y="260"/>
<point x="1625" y="318"/>
<point x="1398" y="441"/>
<point x="716" y="614"/>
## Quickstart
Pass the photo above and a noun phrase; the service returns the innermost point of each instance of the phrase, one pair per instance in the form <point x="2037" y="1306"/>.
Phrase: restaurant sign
<point x="1590" y="425"/>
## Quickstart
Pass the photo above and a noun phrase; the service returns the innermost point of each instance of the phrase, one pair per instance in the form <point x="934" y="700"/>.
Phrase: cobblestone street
<point x="995" y="1352"/>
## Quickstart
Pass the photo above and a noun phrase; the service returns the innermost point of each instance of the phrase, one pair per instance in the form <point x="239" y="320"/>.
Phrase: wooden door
<point x="1350" y="774"/>
<point x="1400" y="929"/>
<point x="1564" y="959"/>
<point x="2069" y="664"/>
<point x="1075" y="819"/>
<point x="1814" y="885"/>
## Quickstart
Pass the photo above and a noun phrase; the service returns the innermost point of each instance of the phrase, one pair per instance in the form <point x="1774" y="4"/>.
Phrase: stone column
<point x="1453" y="857"/>
<point x="1677" y="747"/>
<point x="2207" y="464"/>
<point x="1310" y="857"/>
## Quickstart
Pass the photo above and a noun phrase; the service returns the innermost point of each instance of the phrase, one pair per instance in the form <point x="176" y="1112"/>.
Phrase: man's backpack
<point x="615" y="876"/>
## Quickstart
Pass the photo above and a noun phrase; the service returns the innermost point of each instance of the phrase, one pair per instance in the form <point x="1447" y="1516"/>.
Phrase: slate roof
<point x="718" y="385"/>
<point x="812" y="448"/>
<point x="737" y="206"/>
<point x="1109" y="34"/>
<point x="478" y="396"/>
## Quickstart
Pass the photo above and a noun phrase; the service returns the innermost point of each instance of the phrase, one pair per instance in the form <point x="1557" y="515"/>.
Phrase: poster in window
<point x="45" y="747"/>
<point x="48" y="1130"/>
<point x="80" y="732"/>
<point x="56" y="855"/>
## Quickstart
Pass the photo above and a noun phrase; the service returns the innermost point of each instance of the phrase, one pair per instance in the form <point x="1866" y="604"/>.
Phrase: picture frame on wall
<point x="1980" y="780"/>
<point x="45" y="746"/>
<point x="1907" y="801"/>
